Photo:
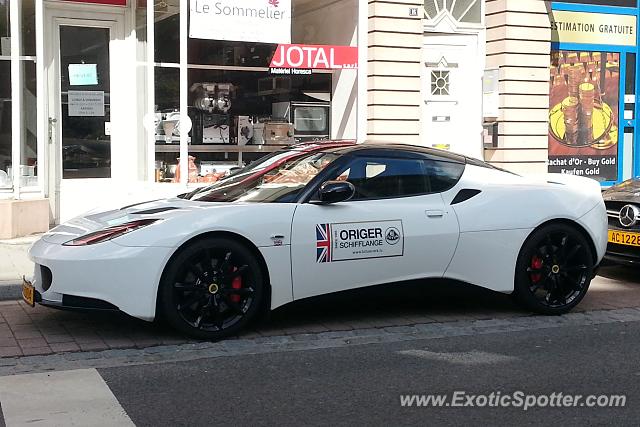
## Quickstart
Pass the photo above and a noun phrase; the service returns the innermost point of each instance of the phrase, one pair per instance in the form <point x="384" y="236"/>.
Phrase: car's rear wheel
<point x="212" y="289"/>
<point x="554" y="269"/>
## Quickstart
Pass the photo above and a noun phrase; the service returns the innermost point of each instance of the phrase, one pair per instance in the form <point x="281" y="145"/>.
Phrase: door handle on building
<point x="52" y="123"/>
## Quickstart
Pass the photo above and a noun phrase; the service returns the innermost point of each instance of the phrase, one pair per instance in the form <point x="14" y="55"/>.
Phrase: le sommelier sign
<point x="263" y="21"/>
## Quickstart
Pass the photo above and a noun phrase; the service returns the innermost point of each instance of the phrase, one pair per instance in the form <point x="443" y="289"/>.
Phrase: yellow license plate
<point x="28" y="293"/>
<point x="624" y="238"/>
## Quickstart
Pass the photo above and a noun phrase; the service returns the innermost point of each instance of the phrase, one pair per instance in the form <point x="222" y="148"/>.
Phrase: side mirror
<point x="336" y="191"/>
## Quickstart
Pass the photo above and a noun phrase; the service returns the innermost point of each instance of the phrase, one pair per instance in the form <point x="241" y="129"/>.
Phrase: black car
<point x="623" y="212"/>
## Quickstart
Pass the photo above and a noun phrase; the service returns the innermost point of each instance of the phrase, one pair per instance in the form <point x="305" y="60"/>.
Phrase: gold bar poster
<point x="583" y="114"/>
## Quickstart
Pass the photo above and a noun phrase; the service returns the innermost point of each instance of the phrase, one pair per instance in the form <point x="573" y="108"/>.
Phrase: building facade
<point x="101" y="99"/>
<point x="566" y="86"/>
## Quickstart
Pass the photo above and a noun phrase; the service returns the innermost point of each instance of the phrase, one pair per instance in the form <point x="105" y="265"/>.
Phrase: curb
<point x="10" y="291"/>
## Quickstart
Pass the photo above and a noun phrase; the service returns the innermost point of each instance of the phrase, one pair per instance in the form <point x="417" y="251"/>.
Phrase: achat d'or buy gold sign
<point x="593" y="28"/>
<point x="584" y="93"/>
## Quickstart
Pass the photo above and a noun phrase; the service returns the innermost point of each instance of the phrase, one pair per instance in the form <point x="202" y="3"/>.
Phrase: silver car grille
<point x="613" y="215"/>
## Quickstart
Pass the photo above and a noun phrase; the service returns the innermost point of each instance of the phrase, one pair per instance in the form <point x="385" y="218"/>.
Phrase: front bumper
<point x="622" y="257"/>
<point x="101" y="276"/>
<point x="74" y="303"/>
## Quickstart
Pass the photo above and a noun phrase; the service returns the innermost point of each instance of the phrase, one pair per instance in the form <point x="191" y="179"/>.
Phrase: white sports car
<point x="318" y="219"/>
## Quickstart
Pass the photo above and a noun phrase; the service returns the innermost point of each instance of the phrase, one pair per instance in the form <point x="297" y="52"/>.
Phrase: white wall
<point x="333" y="23"/>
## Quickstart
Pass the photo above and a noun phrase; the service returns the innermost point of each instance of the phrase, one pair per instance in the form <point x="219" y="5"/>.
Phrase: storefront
<point x="593" y="86"/>
<point x="103" y="102"/>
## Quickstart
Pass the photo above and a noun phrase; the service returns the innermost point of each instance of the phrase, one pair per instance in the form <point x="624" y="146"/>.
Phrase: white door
<point x="452" y="88"/>
<point x="385" y="234"/>
<point x="81" y="64"/>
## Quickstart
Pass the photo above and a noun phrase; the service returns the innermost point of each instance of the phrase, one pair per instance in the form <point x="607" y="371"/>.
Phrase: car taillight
<point x="109" y="233"/>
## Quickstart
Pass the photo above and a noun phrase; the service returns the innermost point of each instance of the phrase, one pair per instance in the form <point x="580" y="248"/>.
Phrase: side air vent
<point x="464" y="195"/>
<point x="154" y="211"/>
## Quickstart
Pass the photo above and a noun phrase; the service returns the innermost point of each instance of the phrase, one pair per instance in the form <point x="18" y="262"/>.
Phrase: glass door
<point x="84" y="102"/>
<point x="80" y="99"/>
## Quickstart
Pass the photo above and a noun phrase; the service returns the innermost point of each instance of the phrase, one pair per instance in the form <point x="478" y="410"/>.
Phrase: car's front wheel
<point x="212" y="289"/>
<point x="554" y="269"/>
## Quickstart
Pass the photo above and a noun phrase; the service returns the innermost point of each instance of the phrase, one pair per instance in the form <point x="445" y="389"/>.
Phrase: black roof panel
<point x="398" y="150"/>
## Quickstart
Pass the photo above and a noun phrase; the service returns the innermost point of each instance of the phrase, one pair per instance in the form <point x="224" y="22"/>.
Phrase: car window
<point x="378" y="177"/>
<point x="279" y="184"/>
<point x="443" y="175"/>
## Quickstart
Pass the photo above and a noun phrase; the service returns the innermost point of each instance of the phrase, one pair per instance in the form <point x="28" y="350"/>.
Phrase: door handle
<point x="52" y="123"/>
<point x="437" y="213"/>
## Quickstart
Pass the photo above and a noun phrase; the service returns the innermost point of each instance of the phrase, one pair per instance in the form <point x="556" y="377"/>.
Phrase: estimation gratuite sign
<point x="593" y="28"/>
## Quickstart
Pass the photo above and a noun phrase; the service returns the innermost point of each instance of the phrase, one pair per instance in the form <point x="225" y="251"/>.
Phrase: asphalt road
<point x="362" y="385"/>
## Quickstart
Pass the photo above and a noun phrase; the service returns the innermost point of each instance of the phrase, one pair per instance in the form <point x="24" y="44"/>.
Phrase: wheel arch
<point x="571" y="223"/>
<point x="266" y="302"/>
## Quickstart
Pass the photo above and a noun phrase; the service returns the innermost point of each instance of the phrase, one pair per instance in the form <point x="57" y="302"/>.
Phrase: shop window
<point x="29" y="140"/>
<point x="5" y="97"/>
<point x="630" y="86"/>
<point x="440" y="82"/>
<point x="167" y="31"/>
<point x="229" y="53"/>
<point x="5" y="124"/>
<point x="238" y="110"/>
<point x="28" y="27"/>
<point x="28" y="173"/>
<point x="5" y="32"/>
<point x="167" y="123"/>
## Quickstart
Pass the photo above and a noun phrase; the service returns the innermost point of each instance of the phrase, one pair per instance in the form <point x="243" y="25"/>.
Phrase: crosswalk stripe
<point x="66" y="398"/>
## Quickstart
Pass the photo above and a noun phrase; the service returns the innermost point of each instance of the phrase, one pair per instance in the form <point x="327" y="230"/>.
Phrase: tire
<point x="212" y="289"/>
<point x="554" y="270"/>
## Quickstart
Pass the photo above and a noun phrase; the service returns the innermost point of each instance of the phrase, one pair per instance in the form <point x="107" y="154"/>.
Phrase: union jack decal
<point x="323" y="243"/>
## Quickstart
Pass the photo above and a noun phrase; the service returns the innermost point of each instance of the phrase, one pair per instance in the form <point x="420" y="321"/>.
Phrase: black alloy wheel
<point x="212" y="289"/>
<point x="554" y="270"/>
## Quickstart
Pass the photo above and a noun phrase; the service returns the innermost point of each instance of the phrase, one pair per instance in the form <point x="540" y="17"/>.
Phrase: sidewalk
<point x="14" y="263"/>
<point x="416" y="308"/>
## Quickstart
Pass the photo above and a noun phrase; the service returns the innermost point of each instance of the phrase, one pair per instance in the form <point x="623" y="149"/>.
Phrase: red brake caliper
<point x="536" y="264"/>
<point x="236" y="284"/>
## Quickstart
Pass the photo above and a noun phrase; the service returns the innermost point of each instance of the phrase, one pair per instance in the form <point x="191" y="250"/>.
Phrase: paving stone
<point x="36" y="350"/>
<point x="58" y="339"/>
<point x="32" y="343"/>
<point x="6" y="333"/>
<point x="63" y="347"/>
<point x="93" y="346"/>
<point x="26" y="334"/>
<point x="85" y="336"/>
<point x="18" y="320"/>
<point x="10" y="351"/>
<point x="8" y="342"/>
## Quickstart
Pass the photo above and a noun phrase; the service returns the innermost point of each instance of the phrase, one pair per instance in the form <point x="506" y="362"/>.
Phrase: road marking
<point x="66" y="398"/>
<point x="473" y="357"/>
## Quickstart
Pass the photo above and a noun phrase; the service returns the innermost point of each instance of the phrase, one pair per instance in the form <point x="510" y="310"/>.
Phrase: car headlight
<point x="109" y="233"/>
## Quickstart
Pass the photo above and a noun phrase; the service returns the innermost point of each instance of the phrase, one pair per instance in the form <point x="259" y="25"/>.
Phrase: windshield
<point x="275" y="182"/>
